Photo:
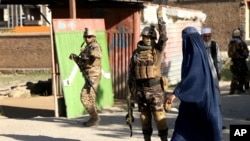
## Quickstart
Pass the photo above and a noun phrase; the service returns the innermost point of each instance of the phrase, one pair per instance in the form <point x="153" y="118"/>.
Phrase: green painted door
<point x="68" y="36"/>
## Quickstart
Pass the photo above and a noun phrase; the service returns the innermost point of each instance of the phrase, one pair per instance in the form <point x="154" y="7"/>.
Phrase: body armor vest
<point x="145" y="60"/>
<point x="87" y="61"/>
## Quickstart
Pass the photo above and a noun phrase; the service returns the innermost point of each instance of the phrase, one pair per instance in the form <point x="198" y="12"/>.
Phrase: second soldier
<point x="145" y="73"/>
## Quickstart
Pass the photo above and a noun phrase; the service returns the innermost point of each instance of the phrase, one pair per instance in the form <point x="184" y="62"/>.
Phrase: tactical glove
<point x="84" y="56"/>
<point x="72" y="56"/>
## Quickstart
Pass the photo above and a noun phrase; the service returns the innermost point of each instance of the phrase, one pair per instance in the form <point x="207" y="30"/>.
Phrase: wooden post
<point x="54" y="72"/>
<point x="72" y="9"/>
<point x="136" y="29"/>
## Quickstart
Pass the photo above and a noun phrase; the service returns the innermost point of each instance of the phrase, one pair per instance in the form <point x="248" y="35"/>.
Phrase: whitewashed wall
<point x="177" y="19"/>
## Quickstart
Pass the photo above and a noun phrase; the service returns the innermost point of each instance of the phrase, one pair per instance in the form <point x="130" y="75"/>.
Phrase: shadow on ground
<point x="19" y="112"/>
<point x="38" y="137"/>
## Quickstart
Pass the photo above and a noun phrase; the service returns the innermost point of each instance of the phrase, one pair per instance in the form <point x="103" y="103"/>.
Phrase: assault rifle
<point x="88" y="80"/>
<point x="76" y="59"/>
<point x="129" y="116"/>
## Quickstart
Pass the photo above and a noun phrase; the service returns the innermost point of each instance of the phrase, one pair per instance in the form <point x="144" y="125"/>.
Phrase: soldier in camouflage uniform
<point x="145" y="73"/>
<point x="238" y="52"/>
<point x="89" y="62"/>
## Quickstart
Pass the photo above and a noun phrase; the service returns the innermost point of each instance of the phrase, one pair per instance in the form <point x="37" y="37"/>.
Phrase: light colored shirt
<point x="218" y="56"/>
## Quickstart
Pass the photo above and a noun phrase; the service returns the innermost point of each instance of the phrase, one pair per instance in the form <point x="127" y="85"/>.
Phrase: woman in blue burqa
<point x="199" y="117"/>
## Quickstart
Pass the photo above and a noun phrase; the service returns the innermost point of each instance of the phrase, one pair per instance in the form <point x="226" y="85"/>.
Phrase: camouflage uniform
<point x="145" y="73"/>
<point x="238" y="52"/>
<point x="89" y="62"/>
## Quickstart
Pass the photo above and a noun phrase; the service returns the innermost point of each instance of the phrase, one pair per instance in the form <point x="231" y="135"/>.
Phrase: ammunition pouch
<point x="151" y="72"/>
<point x="143" y="72"/>
<point x="146" y="72"/>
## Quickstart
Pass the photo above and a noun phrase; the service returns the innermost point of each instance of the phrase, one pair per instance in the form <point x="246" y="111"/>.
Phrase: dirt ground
<point x="28" y="107"/>
<point x="36" y="106"/>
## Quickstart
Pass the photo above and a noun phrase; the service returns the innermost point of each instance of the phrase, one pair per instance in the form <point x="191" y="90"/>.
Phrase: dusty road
<point x="30" y="119"/>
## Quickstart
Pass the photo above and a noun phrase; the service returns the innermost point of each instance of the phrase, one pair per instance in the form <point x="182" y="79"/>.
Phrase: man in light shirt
<point x="212" y="50"/>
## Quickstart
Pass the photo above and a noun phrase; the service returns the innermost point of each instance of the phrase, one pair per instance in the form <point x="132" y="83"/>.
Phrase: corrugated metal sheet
<point x="120" y="50"/>
<point x="121" y="43"/>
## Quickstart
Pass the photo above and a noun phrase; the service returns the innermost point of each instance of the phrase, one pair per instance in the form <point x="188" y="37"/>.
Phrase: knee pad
<point x="160" y="119"/>
<point x="159" y="115"/>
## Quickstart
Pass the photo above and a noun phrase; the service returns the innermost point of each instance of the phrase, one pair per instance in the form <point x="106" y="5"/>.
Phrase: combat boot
<point x="240" y="89"/>
<point x="147" y="138"/>
<point x="92" y="122"/>
<point x="247" y="91"/>
<point x="164" y="138"/>
<point x="163" y="134"/>
<point x="147" y="134"/>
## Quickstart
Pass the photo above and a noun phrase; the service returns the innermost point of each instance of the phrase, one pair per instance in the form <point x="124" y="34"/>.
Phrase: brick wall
<point x="30" y="51"/>
<point x="222" y="17"/>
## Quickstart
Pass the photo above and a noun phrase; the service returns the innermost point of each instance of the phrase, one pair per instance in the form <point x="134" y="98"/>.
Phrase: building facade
<point x="24" y="15"/>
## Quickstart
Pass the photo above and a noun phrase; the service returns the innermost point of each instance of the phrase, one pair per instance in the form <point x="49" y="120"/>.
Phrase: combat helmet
<point x="149" y="31"/>
<point x="88" y="32"/>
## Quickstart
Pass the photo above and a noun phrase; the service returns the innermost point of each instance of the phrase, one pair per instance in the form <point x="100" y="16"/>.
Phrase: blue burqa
<point x="199" y="117"/>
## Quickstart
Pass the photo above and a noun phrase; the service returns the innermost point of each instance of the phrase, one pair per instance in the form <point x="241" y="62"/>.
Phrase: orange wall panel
<point x="28" y="29"/>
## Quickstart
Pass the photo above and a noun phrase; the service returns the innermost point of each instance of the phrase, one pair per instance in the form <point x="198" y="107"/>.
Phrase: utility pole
<point x="72" y="9"/>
